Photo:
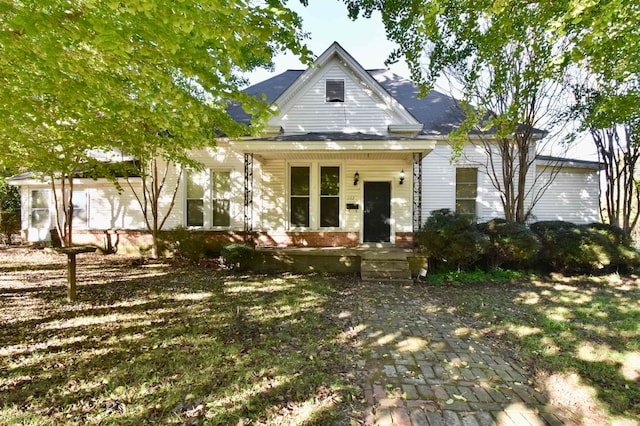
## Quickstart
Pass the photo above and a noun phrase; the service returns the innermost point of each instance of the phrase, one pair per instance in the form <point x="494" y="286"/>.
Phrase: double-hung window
<point x="329" y="197"/>
<point x="79" y="200"/>
<point x="466" y="191"/>
<point x="314" y="196"/>
<point x="300" y="196"/>
<point x="220" y="198"/>
<point x="40" y="215"/>
<point x="209" y="199"/>
<point x="196" y="187"/>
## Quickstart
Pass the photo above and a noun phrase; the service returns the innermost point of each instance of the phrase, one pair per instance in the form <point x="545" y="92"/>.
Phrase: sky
<point x="327" y="21"/>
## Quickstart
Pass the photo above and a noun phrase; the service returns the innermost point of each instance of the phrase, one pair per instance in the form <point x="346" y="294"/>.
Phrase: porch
<point x="373" y="262"/>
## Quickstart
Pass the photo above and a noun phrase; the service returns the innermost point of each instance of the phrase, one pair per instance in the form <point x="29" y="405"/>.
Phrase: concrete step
<point x="384" y="265"/>
<point x="385" y="255"/>
<point x="385" y="270"/>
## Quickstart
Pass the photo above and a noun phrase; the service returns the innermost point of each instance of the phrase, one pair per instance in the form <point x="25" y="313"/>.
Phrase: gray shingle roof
<point x="438" y="112"/>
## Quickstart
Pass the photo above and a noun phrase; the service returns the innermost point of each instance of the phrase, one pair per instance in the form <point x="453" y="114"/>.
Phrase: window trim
<point x="474" y="199"/>
<point x="315" y="190"/>
<point x="309" y="196"/>
<point x="207" y="199"/>
<point x="32" y="209"/>
<point x="338" y="195"/>
<point x="188" y="175"/>
<point x="330" y="97"/>
<point x="85" y="200"/>
<point x="212" y="198"/>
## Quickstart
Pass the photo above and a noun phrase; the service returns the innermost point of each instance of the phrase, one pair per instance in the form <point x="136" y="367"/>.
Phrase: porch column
<point x="417" y="191"/>
<point x="248" y="192"/>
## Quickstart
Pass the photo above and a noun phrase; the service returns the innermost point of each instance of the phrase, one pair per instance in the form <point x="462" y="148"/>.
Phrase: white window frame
<point x="315" y="168"/>
<point x="319" y="196"/>
<point x="227" y="197"/>
<point x="335" y="99"/>
<point x="32" y="208"/>
<point x="208" y="199"/>
<point x="309" y="196"/>
<point x="474" y="199"/>
<point x="79" y="194"/>
<point x="187" y="199"/>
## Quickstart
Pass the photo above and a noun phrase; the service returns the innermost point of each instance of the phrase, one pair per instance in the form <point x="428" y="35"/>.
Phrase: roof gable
<point x="367" y="106"/>
<point x="438" y="114"/>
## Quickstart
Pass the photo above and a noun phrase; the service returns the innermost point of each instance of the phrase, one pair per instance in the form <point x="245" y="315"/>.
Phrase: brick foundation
<point x="308" y="239"/>
<point x="405" y="240"/>
<point x="136" y="241"/>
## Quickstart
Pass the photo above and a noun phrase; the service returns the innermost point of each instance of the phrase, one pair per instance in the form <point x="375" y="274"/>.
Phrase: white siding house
<point x="351" y="157"/>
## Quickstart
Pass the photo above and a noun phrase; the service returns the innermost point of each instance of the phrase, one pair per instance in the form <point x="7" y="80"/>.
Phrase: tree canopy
<point x="78" y="77"/>
<point x="506" y="56"/>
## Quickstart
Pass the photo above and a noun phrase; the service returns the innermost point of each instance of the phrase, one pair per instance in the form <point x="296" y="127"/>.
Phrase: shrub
<point x="567" y="247"/>
<point x="451" y="241"/>
<point x="511" y="244"/>
<point x="192" y="246"/>
<point x="237" y="255"/>
<point x="9" y="225"/>
<point x="619" y="246"/>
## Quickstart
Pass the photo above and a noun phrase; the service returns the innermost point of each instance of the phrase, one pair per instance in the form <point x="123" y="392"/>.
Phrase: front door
<point x="377" y="212"/>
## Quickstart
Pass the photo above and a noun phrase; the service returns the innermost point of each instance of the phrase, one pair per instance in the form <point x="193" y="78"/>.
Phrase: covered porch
<point x="333" y="190"/>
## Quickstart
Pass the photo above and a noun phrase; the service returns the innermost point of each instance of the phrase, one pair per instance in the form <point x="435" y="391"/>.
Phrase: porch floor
<point x="367" y="250"/>
<point x="374" y="262"/>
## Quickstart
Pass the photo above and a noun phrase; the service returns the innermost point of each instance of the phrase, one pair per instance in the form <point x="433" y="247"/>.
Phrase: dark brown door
<point x="377" y="212"/>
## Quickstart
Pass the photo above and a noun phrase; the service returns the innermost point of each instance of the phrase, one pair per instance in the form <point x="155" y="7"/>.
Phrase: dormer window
<point x="335" y="90"/>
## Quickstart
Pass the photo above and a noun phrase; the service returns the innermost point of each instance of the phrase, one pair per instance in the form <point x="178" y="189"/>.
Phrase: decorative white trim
<point x="336" y="51"/>
<point x="257" y="146"/>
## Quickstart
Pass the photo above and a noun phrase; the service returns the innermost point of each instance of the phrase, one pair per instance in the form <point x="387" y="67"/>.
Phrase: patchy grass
<point x="152" y="343"/>
<point x="581" y="335"/>
<point x="458" y="278"/>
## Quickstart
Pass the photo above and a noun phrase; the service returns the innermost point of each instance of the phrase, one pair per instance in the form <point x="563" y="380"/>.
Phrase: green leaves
<point x="102" y="75"/>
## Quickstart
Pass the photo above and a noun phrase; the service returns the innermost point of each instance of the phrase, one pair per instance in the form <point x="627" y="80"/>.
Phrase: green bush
<point x="9" y="225"/>
<point x="192" y="246"/>
<point x="511" y="244"/>
<point x="237" y="255"/>
<point x="567" y="247"/>
<point x="451" y="241"/>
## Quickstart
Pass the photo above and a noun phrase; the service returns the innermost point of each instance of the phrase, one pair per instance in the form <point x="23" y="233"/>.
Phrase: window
<point x="329" y="197"/>
<point x="220" y="198"/>
<point x="79" y="200"/>
<point x="196" y="184"/>
<point x="299" y="197"/>
<point x="40" y="217"/>
<point x="335" y="91"/>
<point x="209" y="199"/>
<point x="466" y="191"/>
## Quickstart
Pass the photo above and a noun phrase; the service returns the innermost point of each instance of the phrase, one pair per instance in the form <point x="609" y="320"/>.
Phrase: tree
<point x="78" y="78"/>
<point x="497" y="54"/>
<point x="9" y="206"/>
<point x="607" y="51"/>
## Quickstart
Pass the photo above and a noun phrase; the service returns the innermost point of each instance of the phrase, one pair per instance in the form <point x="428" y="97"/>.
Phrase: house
<point x="352" y="158"/>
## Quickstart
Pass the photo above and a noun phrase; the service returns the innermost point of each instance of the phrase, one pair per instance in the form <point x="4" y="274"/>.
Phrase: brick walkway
<point x="424" y="368"/>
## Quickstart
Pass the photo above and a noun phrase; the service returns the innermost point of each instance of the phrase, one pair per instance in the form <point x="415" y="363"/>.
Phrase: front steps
<point x="385" y="265"/>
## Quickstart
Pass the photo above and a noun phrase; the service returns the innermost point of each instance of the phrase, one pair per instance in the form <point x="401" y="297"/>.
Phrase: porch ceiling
<point x="335" y="150"/>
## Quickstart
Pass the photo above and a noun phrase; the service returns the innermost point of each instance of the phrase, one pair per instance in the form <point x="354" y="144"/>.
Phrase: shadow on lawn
<point x="586" y="327"/>
<point x="176" y="345"/>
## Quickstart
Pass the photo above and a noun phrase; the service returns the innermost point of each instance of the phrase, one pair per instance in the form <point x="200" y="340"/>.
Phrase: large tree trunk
<point x="619" y="157"/>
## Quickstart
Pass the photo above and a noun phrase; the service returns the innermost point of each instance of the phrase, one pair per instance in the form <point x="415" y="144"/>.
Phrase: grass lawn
<point x="154" y="343"/>
<point x="580" y="336"/>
